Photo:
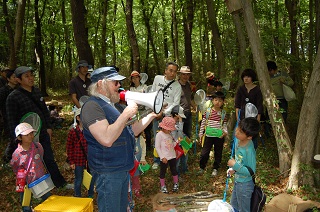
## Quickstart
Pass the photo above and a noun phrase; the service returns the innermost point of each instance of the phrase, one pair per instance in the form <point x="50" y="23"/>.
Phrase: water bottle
<point x="21" y="180"/>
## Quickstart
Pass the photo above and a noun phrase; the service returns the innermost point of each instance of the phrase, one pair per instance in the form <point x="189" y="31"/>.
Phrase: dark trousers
<point x="205" y="152"/>
<point x="147" y="132"/>
<point x="51" y="164"/>
<point x="187" y="124"/>
<point x="163" y="168"/>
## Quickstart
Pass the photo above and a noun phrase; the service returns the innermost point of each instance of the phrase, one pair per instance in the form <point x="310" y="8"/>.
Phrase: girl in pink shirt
<point x="164" y="145"/>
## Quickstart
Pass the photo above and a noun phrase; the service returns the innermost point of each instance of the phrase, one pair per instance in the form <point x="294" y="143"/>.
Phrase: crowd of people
<point x="102" y="142"/>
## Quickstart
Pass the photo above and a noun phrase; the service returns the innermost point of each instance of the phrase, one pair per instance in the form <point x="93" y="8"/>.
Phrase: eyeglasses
<point x="116" y="83"/>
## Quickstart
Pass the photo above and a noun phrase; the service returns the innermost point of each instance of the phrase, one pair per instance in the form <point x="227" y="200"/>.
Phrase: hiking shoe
<point x="214" y="172"/>
<point x="155" y="166"/>
<point x="175" y="187"/>
<point x="200" y="172"/>
<point x="164" y="190"/>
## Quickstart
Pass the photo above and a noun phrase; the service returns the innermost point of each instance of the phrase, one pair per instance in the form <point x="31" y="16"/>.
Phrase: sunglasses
<point x="116" y="83"/>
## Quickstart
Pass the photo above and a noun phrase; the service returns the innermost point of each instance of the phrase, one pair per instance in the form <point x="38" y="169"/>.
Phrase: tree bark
<point x="283" y="140"/>
<point x="67" y="40"/>
<point x="132" y="36"/>
<point x="175" y="32"/>
<point x="39" y="50"/>
<point x="242" y="46"/>
<point x="165" y="34"/>
<point x="146" y="19"/>
<point x="113" y="37"/>
<point x="12" y="55"/>
<point x="307" y="132"/>
<point x="188" y="15"/>
<point x="216" y="38"/>
<point x="295" y="67"/>
<point x="80" y="30"/>
<point x="103" y="61"/>
<point x="317" y="30"/>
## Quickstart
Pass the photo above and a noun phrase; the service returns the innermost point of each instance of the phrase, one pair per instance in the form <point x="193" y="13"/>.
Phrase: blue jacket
<point x="118" y="157"/>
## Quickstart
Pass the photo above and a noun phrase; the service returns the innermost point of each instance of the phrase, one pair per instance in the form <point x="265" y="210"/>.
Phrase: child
<point x="27" y="159"/>
<point x="177" y="114"/>
<point x="245" y="155"/>
<point x="164" y="145"/>
<point x="214" y="125"/>
<point x="140" y="154"/>
<point x="77" y="155"/>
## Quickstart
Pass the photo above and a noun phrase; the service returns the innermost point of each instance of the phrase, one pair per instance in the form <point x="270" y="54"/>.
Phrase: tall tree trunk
<point x="67" y="40"/>
<point x="295" y="67"/>
<point x="19" y="25"/>
<point x="317" y="30"/>
<point x="146" y="19"/>
<point x="132" y="36"/>
<point x="283" y="140"/>
<point x="165" y="34"/>
<point x="113" y="37"/>
<point x="80" y="30"/>
<point x="242" y="46"/>
<point x="12" y="56"/>
<point x="311" y="39"/>
<point x="175" y="32"/>
<point x="103" y="61"/>
<point x="307" y="132"/>
<point x="216" y="38"/>
<point x="188" y="15"/>
<point x="39" y="49"/>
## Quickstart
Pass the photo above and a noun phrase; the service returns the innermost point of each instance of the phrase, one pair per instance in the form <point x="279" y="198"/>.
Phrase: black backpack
<point x="258" y="198"/>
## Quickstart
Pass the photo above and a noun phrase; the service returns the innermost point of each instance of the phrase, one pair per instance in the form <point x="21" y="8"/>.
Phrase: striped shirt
<point x="214" y="121"/>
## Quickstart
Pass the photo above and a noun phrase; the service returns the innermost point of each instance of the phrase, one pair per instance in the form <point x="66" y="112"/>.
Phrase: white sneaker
<point x="214" y="172"/>
<point x="155" y="166"/>
<point x="69" y="186"/>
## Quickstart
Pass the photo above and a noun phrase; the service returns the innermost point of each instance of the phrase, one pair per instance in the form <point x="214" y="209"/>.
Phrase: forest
<point x="223" y="37"/>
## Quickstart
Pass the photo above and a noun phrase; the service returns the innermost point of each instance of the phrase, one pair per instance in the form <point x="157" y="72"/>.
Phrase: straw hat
<point x="185" y="70"/>
<point x="209" y="74"/>
<point x="168" y="123"/>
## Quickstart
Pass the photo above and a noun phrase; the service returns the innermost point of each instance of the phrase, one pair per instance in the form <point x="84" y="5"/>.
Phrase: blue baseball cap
<point x="106" y="73"/>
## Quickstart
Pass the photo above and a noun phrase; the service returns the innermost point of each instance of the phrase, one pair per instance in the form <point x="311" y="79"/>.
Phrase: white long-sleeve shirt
<point x="172" y="94"/>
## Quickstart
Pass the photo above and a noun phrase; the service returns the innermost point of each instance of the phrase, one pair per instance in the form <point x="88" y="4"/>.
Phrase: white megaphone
<point x="152" y="100"/>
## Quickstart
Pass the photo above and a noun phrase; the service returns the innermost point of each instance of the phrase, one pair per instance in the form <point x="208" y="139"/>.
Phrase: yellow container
<point x="65" y="204"/>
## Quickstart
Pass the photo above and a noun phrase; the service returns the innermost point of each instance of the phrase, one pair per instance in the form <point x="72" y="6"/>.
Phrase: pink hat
<point x="168" y="123"/>
<point x="23" y="129"/>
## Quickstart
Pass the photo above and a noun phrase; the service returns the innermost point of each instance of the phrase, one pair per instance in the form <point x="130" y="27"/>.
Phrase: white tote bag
<point x="288" y="93"/>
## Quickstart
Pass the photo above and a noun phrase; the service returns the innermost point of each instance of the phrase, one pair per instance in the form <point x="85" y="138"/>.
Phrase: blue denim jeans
<point x="112" y="189"/>
<point x="241" y="196"/>
<point x="183" y="162"/>
<point x="78" y="173"/>
<point x="28" y="208"/>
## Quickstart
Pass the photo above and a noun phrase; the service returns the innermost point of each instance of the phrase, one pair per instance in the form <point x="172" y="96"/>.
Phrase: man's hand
<point x="131" y="109"/>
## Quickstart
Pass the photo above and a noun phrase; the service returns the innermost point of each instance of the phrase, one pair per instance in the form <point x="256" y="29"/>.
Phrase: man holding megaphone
<point x="110" y="140"/>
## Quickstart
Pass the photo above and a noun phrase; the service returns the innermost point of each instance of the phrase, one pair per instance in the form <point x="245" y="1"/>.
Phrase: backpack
<point x="258" y="198"/>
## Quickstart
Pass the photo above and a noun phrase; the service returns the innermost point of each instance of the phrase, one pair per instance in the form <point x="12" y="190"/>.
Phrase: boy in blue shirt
<point x="245" y="155"/>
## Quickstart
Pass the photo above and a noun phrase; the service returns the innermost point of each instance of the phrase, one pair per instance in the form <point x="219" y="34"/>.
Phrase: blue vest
<point x="118" y="157"/>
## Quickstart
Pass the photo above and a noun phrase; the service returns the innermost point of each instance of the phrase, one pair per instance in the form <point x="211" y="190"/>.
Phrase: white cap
<point x="23" y="129"/>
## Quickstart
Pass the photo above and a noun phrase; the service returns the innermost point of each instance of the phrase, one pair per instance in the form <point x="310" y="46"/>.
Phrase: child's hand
<point x="230" y="172"/>
<point x="164" y="160"/>
<point x="231" y="162"/>
<point x="223" y="134"/>
<point x="143" y="162"/>
<point x="72" y="166"/>
<point x="200" y="139"/>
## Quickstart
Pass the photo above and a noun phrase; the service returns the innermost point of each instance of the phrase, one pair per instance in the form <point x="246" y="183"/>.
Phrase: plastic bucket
<point x="41" y="186"/>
